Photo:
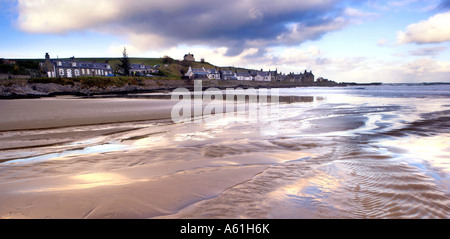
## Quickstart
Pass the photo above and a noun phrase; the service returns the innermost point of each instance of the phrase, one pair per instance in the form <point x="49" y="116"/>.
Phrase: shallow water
<point x="362" y="152"/>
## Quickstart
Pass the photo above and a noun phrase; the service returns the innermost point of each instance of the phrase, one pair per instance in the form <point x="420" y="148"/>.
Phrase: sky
<point x="391" y="41"/>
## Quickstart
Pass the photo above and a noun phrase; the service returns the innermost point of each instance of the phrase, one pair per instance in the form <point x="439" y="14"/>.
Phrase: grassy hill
<point x="167" y="66"/>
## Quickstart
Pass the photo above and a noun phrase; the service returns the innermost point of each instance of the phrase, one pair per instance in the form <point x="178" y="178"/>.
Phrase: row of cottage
<point x="73" y="68"/>
<point x="251" y="75"/>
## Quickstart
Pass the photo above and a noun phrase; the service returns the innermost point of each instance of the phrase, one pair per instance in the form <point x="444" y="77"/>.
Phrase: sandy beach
<point x="334" y="154"/>
<point x="78" y="185"/>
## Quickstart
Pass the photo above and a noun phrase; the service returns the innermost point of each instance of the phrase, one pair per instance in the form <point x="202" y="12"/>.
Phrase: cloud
<point x="235" y="24"/>
<point x="425" y="66"/>
<point x="433" y="30"/>
<point x="353" y="12"/>
<point x="300" y="32"/>
<point x="357" y="68"/>
<point x="428" y="51"/>
<point x="47" y="16"/>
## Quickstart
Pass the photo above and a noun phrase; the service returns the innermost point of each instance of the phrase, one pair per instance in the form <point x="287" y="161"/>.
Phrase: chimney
<point x="47" y="56"/>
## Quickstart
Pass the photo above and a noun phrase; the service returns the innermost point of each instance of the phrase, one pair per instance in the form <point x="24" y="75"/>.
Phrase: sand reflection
<point x="89" y="180"/>
<point x="433" y="150"/>
<point x="319" y="184"/>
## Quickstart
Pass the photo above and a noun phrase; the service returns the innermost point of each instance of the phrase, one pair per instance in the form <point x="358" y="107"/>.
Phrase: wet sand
<point x="66" y="173"/>
<point x="331" y="156"/>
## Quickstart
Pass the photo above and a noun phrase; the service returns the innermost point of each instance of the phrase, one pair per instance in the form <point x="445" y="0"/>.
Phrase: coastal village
<point x="72" y="68"/>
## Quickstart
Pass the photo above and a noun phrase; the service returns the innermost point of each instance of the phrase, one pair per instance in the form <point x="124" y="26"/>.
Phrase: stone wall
<point x="10" y="76"/>
<point x="22" y="88"/>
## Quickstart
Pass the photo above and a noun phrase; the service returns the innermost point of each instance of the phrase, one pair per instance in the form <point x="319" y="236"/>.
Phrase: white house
<point x="227" y="75"/>
<point x="244" y="76"/>
<point x="264" y="75"/>
<point x="195" y="73"/>
<point x="213" y="74"/>
<point x="71" y="68"/>
<point x="141" y="69"/>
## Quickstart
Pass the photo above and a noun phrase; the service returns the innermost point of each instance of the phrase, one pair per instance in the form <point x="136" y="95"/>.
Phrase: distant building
<point x="281" y="77"/>
<point x="306" y="77"/>
<point x="189" y="57"/>
<point x="321" y="79"/>
<point x="72" y="68"/>
<point x="9" y="62"/>
<point x="264" y="75"/>
<point x="244" y="76"/>
<point x="213" y="74"/>
<point x="227" y="75"/>
<point x="199" y="73"/>
<point x="142" y="70"/>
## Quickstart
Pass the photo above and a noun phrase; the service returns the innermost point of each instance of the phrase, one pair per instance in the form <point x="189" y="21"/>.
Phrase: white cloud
<point x="425" y="66"/>
<point x="356" y="69"/>
<point x="47" y="16"/>
<point x="428" y="51"/>
<point x="433" y="30"/>
<point x="233" y="24"/>
<point x="353" y="12"/>
<point x="299" y="32"/>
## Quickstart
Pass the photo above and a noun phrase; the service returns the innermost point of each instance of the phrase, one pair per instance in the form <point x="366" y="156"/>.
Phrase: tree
<point x="167" y="60"/>
<point x="125" y="63"/>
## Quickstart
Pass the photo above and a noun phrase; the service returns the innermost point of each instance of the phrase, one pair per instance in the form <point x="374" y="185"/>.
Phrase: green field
<point x="168" y="67"/>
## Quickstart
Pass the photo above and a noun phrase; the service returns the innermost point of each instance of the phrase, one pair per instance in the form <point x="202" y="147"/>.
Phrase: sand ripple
<point x="382" y="158"/>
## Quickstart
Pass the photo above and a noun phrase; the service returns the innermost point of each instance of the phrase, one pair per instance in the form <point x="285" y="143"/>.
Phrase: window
<point x="61" y="72"/>
<point x="74" y="64"/>
<point x="69" y="72"/>
<point x="59" y="63"/>
<point x="77" y="72"/>
<point x="82" y="71"/>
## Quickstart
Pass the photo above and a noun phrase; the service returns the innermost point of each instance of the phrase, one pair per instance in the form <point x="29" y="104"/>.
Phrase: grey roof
<point x="227" y="72"/>
<point x="244" y="74"/>
<point x="140" y="66"/>
<point x="265" y="73"/>
<point x="262" y="73"/>
<point x="199" y="71"/>
<point x="80" y="64"/>
<point x="213" y="71"/>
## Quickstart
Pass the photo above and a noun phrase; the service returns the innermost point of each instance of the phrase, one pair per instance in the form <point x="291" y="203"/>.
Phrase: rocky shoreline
<point x="24" y="89"/>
